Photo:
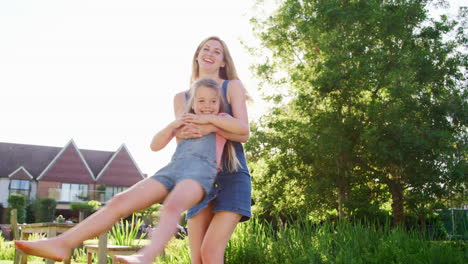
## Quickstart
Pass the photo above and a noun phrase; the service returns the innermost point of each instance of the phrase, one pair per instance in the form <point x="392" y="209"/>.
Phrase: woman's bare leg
<point x="141" y="195"/>
<point x="185" y="194"/>
<point x="197" y="226"/>
<point x="217" y="236"/>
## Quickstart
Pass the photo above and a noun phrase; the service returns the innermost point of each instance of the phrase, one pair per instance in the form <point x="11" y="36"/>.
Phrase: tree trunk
<point x="422" y="221"/>
<point x="341" y="198"/>
<point x="343" y="191"/>
<point x="396" y="190"/>
<point x="342" y="181"/>
<point x="342" y="186"/>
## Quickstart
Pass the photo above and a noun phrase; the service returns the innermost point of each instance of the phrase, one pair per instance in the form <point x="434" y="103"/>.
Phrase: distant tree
<point x="370" y="98"/>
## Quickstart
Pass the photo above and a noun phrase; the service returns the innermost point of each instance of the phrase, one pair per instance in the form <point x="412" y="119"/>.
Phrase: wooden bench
<point x="102" y="249"/>
<point x="112" y="250"/>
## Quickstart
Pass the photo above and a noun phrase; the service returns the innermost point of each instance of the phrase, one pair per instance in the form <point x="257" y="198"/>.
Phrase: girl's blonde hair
<point x="228" y="72"/>
<point x="229" y="157"/>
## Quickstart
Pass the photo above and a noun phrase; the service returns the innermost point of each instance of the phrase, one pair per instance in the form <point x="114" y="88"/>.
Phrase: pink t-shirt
<point x="220" y="142"/>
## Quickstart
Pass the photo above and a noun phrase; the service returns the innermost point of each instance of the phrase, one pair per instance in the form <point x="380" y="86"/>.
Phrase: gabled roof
<point x="31" y="161"/>
<point x="96" y="159"/>
<point x="120" y="168"/>
<point x="58" y="161"/>
<point x="32" y="158"/>
<point x="21" y="174"/>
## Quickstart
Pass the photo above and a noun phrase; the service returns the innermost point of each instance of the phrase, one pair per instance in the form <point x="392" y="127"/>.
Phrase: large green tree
<point x="370" y="98"/>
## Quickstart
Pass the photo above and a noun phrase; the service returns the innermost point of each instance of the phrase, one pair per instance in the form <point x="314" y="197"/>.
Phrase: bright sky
<point x="104" y="72"/>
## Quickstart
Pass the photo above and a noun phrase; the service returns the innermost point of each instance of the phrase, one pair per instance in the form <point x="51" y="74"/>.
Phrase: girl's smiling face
<point x="206" y="101"/>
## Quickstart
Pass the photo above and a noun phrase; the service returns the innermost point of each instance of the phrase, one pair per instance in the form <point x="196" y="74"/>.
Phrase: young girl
<point x="181" y="184"/>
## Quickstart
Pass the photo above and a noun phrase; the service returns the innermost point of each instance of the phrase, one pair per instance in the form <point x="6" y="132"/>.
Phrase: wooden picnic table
<point x="102" y="249"/>
<point x="111" y="250"/>
<point x="50" y="229"/>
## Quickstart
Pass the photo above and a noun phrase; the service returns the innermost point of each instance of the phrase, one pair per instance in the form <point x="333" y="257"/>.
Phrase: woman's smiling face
<point x="211" y="55"/>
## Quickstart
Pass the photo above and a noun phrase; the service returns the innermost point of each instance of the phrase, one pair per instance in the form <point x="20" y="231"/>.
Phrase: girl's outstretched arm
<point x="163" y="137"/>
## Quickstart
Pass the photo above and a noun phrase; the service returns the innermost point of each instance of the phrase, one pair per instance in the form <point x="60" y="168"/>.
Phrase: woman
<point x="183" y="183"/>
<point x="212" y="222"/>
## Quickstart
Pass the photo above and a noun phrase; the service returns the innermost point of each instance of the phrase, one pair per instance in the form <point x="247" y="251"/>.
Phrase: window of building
<point x="74" y="192"/>
<point x="20" y="187"/>
<point x="113" y="190"/>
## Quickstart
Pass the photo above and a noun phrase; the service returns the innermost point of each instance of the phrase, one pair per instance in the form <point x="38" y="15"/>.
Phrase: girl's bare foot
<point x="133" y="259"/>
<point x="49" y="249"/>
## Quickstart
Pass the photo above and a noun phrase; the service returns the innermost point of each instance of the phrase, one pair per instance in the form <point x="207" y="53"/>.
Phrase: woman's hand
<point x="196" y="119"/>
<point x="191" y="130"/>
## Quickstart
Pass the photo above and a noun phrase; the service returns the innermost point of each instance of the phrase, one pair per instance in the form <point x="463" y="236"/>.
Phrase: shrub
<point x="45" y="209"/>
<point x="31" y="211"/>
<point x="83" y="207"/>
<point x="125" y="233"/>
<point x="18" y="202"/>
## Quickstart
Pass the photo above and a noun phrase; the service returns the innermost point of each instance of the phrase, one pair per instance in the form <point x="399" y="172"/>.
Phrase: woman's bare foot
<point x="49" y="249"/>
<point x="133" y="259"/>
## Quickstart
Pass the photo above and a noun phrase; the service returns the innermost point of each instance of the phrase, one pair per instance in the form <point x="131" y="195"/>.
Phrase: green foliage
<point x="150" y="214"/>
<point x="305" y="242"/>
<point x="94" y="204"/>
<point x="84" y="207"/>
<point x="80" y="255"/>
<point x="30" y="211"/>
<point x="177" y="251"/>
<point x="45" y="209"/>
<point x="369" y="99"/>
<point x="7" y="251"/>
<point x="455" y="222"/>
<point x="18" y="202"/>
<point x="125" y="233"/>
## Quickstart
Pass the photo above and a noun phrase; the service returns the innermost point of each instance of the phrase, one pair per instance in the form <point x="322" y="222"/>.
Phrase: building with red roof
<point x="67" y="174"/>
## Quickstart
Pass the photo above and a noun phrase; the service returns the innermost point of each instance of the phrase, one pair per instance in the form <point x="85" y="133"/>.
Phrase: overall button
<point x="216" y="185"/>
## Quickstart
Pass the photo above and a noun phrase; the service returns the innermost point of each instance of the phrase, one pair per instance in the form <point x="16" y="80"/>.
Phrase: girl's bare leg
<point x="141" y="195"/>
<point x="185" y="194"/>
<point x="198" y="225"/>
<point x="217" y="236"/>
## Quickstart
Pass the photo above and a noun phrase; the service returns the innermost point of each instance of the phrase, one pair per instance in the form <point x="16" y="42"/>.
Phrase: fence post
<point x="16" y="234"/>
<point x="102" y="249"/>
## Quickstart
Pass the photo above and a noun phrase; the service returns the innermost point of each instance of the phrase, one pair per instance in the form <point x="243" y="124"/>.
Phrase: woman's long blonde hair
<point x="229" y="157"/>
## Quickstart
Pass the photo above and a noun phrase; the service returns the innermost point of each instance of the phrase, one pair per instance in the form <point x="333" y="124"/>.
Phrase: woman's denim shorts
<point x="231" y="192"/>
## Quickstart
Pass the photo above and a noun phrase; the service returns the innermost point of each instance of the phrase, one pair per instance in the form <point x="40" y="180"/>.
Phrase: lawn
<point x="304" y="242"/>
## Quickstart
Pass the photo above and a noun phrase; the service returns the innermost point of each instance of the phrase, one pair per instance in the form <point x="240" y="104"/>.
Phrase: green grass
<point x="305" y="242"/>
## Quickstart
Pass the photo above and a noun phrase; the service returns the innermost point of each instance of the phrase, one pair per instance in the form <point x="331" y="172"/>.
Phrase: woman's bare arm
<point x="223" y="121"/>
<point x="237" y="97"/>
